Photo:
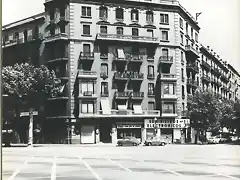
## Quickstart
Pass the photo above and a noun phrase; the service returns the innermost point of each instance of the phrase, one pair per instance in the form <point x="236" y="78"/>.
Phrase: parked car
<point x="157" y="141"/>
<point x="213" y="140"/>
<point x="129" y="141"/>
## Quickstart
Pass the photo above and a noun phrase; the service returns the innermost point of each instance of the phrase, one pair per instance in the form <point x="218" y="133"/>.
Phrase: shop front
<point x="129" y="128"/>
<point x="172" y="130"/>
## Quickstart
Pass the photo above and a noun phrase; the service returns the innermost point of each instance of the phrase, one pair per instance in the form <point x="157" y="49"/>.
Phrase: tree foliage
<point x="208" y="111"/>
<point x="26" y="82"/>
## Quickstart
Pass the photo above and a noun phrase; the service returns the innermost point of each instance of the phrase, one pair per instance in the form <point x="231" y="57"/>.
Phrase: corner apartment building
<point x="126" y="68"/>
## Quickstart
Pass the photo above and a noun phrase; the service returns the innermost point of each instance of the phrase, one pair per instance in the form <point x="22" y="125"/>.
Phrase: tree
<point x="204" y="111"/>
<point x="227" y="111"/>
<point x="30" y="85"/>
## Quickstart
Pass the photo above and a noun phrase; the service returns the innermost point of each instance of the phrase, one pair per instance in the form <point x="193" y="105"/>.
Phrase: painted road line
<point x="54" y="169"/>
<point x="90" y="169"/>
<point x="17" y="171"/>
<point x="118" y="164"/>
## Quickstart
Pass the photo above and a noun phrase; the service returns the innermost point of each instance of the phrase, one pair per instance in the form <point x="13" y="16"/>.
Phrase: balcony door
<point x="86" y="49"/>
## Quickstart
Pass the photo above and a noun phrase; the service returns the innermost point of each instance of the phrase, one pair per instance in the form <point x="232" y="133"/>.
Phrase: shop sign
<point x="123" y="126"/>
<point x="176" y="123"/>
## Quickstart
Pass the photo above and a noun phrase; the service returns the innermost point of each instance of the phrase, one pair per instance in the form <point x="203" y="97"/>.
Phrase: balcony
<point x="104" y="56"/>
<point x="121" y="76"/>
<point x="135" y="58"/>
<point x="166" y="59"/>
<point x="122" y="95"/>
<point x="63" y="20"/>
<point x="169" y="96"/>
<point x="193" y="68"/>
<point x="37" y="37"/>
<point x="206" y="78"/>
<point x="104" y="75"/>
<point x="216" y="72"/>
<point x="57" y="60"/>
<point x="88" y="95"/>
<point x="135" y="76"/>
<point x="206" y="65"/>
<point x="168" y="77"/>
<point x="104" y="94"/>
<point x="129" y="113"/>
<point x="127" y="38"/>
<point x="56" y="37"/>
<point x="117" y="59"/>
<point x="88" y="56"/>
<point x="62" y="74"/>
<point x="137" y="95"/>
<point x="87" y="74"/>
<point x="192" y="83"/>
<point x="224" y="78"/>
<point x="151" y="94"/>
<point x="150" y="76"/>
<point x="191" y="51"/>
<point x="168" y="113"/>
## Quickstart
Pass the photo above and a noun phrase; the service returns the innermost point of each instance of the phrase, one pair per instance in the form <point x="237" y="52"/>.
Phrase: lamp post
<point x="155" y="126"/>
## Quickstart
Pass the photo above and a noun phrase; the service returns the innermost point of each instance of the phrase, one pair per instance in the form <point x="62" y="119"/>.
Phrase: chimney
<point x="208" y="47"/>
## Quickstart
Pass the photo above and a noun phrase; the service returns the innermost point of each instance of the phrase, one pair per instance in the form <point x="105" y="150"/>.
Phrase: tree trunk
<point x="197" y="136"/>
<point x="30" y="128"/>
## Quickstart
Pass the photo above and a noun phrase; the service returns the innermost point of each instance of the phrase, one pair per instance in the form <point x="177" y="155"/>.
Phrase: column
<point x="114" y="134"/>
<point x="158" y="132"/>
<point x="97" y="134"/>
<point x="144" y="134"/>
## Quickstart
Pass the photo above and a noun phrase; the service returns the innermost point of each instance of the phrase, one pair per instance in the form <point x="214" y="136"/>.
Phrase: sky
<point x="219" y="22"/>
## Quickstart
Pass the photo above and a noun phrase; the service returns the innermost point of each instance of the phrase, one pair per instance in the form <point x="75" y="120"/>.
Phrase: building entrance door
<point x="105" y="129"/>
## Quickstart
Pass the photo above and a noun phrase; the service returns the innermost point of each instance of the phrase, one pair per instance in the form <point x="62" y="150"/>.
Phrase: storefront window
<point x="133" y="132"/>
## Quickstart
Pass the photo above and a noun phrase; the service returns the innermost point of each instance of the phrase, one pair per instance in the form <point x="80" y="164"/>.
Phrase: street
<point x="211" y="162"/>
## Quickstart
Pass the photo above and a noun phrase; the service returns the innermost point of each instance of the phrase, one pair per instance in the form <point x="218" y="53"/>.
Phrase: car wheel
<point x="134" y="144"/>
<point x="163" y="144"/>
<point x="120" y="144"/>
<point x="149" y="144"/>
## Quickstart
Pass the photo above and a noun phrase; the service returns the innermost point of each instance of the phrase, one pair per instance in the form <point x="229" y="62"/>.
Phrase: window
<point x="183" y="91"/>
<point x="150" y="32"/>
<point x="187" y="42"/>
<point x="104" y="88"/>
<point x="183" y="107"/>
<point x="87" y="87"/>
<point x="87" y="107"/>
<point x="169" y="89"/>
<point x="86" y="29"/>
<point x="103" y="29"/>
<point x="182" y="73"/>
<point x="134" y="31"/>
<point x="181" y="22"/>
<point x="168" y="108"/>
<point x="149" y="16"/>
<point x="164" y="19"/>
<point x="103" y="13"/>
<point x="51" y="14"/>
<point x="192" y="33"/>
<point x="134" y="15"/>
<point x="104" y="68"/>
<point x="182" y="57"/>
<point x="86" y="48"/>
<point x="6" y="38"/>
<point x="151" y="70"/>
<point x="62" y="11"/>
<point x="151" y="88"/>
<point x="186" y="28"/>
<point x="181" y="38"/>
<point x="165" y="35"/>
<point x="119" y="13"/>
<point x="165" y="53"/>
<point x="196" y="37"/>
<point x="86" y="11"/>
<point x="16" y="35"/>
<point x="119" y="30"/>
<point x="151" y="106"/>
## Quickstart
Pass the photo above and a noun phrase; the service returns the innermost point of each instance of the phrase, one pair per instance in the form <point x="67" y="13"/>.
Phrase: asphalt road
<point x="204" y="162"/>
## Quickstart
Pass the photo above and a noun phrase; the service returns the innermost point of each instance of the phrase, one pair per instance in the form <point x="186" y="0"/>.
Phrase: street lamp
<point x="155" y="126"/>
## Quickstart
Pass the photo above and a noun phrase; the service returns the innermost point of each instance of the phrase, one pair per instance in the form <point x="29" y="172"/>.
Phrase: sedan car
<point x="129" y="141"/>
<point x="155" y="141"/>
<point x="213" y="140"/>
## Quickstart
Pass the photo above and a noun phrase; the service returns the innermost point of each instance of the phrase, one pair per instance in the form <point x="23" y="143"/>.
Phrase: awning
<point x="122" y="109"/>
<point x="137" y="109"/>
<point x="105" y="106"/>
<point x="120" y="53"/>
